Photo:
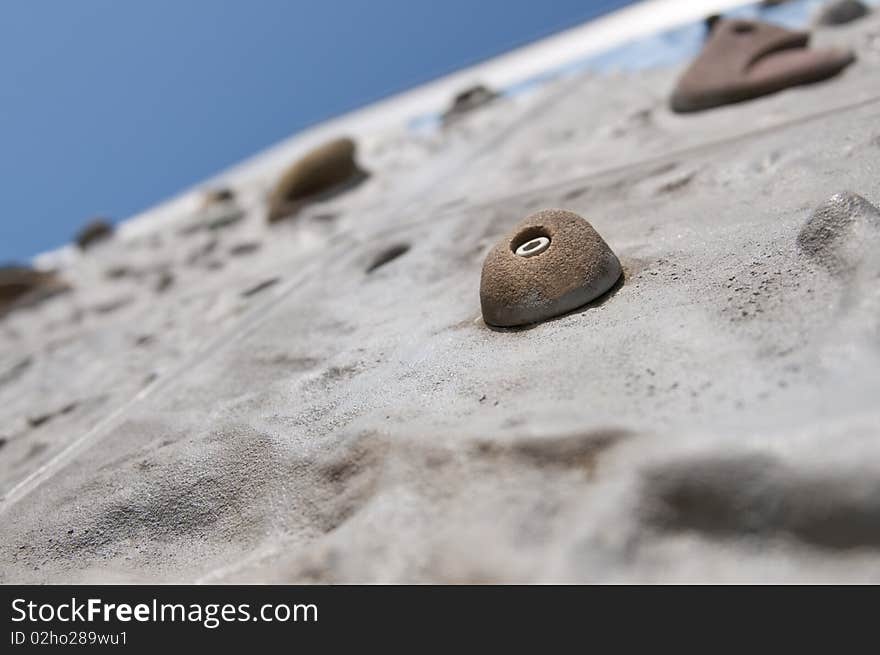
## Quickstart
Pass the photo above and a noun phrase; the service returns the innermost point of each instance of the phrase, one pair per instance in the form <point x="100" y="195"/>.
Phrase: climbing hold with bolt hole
<point x="551" y="263"/>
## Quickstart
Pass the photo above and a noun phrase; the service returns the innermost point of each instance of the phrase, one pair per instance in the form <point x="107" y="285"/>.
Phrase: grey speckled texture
<point x="715" y="419"/>
<point x="842" y="233"/>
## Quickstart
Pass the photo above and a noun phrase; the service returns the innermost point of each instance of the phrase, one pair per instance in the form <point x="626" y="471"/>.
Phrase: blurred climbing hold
<point x="328" y="169"/>
<point x="93" y="232"/>
<point x="388" y="255"/>
<point x="22" y="286"/>
<point x="841" y="232"/>
<point x="747" y="59"/>
<point x="710" y="22"/>
<point x="551" y="263"/>
<point x="217" y="196"/>
<point x="219" y="209"/>
<point x="468" y="100"/>
<point x="839" y="12"/>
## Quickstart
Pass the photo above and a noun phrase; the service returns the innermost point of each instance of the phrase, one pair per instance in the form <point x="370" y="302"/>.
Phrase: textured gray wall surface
<point x="252" y="403"/>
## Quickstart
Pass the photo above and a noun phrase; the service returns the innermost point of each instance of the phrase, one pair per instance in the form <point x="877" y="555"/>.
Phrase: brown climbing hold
<point x="467" y="100"/>
<point x="840" y="12"/>
<point x="93" y="232"/>
<point x="746" y="59"/>
<point x="551" y="263"/>
<point x="218" y="209"/>
<point x="21" y="286"/>
<point x="327" y="169"/>
<point x="841" y="232"/>
<point x="710" y="22"/>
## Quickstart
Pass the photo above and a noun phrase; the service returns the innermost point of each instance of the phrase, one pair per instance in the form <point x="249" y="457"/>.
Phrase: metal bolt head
<point x="533" y="247"/>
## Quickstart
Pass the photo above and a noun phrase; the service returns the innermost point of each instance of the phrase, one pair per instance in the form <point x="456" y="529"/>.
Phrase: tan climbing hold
<point x="327" y="169"/>
<point x="549" y="264"/>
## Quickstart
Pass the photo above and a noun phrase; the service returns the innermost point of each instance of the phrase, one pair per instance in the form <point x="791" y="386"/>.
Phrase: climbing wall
<point x="319" y="400"/>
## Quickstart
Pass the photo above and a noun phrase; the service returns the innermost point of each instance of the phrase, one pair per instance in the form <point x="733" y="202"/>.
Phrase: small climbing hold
<point x="260" y="286"/>
<point x="22" y="286"/>
<point x="839" y="231"/>
<point x="245" y="248"/>
<point x="710" y="22"/>
<point x="388" y="255"/>
<point x="16" y="371"/>
<point x="468" y="100"/>
<point x="839" y="12"/>
<point x="747" y="59"/>
<point x="218" y="210"/>
<point x="327" y="169"/>
<point x="164" y="281"/>
<point x="551" y="263"/>
<point x="217" y="196"/>
<point x="93" y="232"/>
<point x="118" y="271"/>
<point x="39" y="419"/>
<point x="112" y="305"/>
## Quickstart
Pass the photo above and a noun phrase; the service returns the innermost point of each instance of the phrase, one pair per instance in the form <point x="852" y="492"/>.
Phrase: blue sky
<point x="108" y="107"/>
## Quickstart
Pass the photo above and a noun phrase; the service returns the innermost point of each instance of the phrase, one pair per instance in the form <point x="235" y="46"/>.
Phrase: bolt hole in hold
<point x="578" y="268"/>
<point x="531" y="241"/>
<point x="743" y="28"/>
<point x="534" y="247"/>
